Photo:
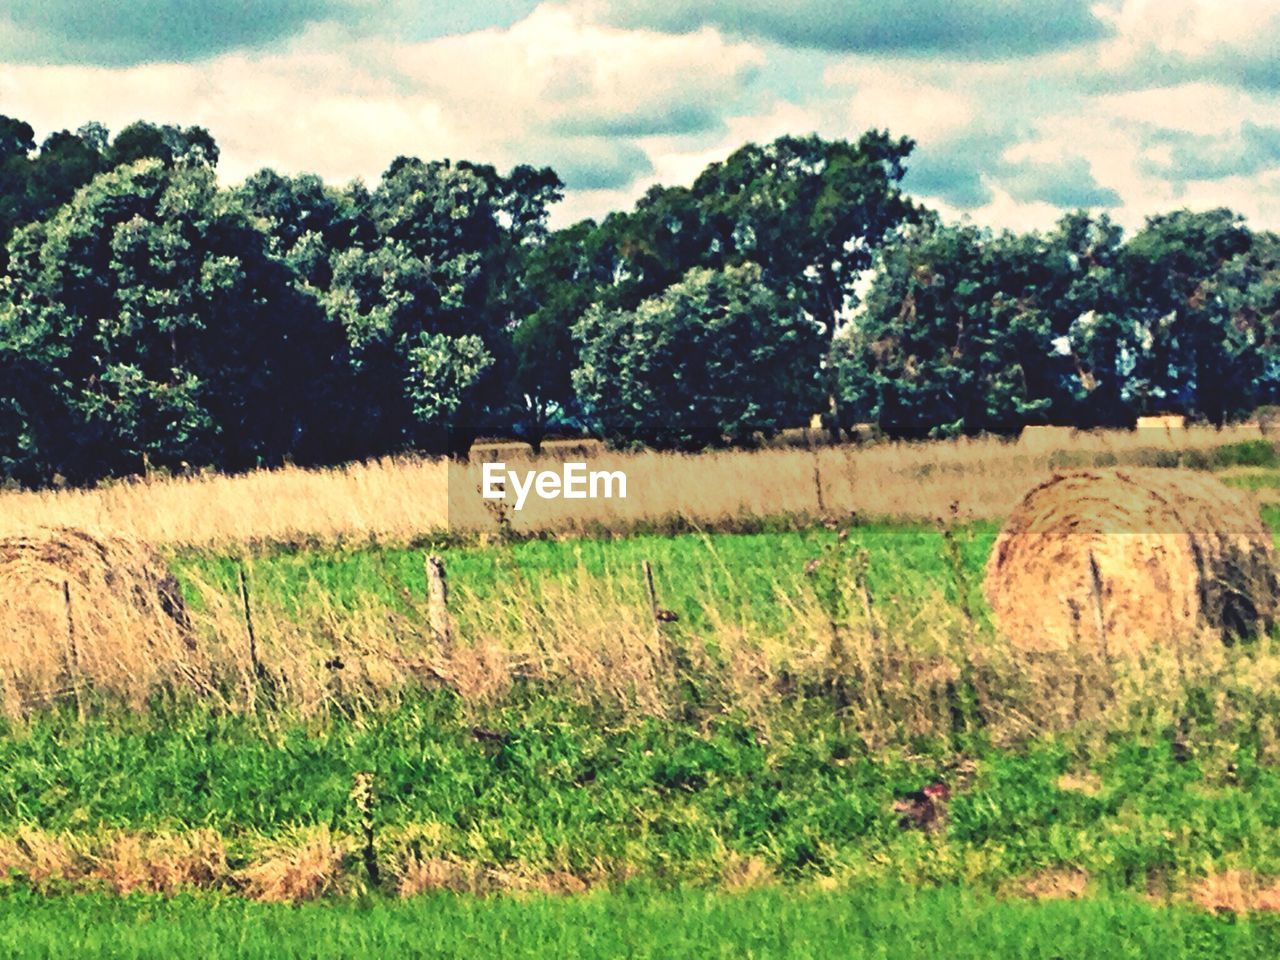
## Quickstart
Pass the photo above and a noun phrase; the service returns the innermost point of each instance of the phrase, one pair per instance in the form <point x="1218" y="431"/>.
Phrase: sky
<point x="1020" y="109"/>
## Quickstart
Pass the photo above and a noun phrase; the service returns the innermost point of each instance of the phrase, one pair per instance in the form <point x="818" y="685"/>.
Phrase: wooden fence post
<point x="438" y="600"/>
<point x="254" y="666"/>
<point x="817" y="485"/>
<point x="73" y="655"/>
<point x="648" y="586"/>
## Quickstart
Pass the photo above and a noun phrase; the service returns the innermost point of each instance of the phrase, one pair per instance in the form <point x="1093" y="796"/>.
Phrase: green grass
<point x="572" y="787"/>
<point x="741" y="575"/>
<point x="567" y="789"/>
<point x="1250" y="478"/>
<point x="670" y="802"/>
<point x="883" y="921"/>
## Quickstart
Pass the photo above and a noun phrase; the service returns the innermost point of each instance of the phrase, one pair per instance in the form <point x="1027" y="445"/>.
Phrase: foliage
<point x="149" y="318"/>
<point x="556" y="283"/>
<point x="968" y="332"/>
<point x="138" y="331"/>
<point x="716" y="358"/>
<point x="418" y="301"/>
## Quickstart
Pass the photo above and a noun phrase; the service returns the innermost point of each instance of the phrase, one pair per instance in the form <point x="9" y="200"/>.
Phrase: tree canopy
<point x="151" y="317"/>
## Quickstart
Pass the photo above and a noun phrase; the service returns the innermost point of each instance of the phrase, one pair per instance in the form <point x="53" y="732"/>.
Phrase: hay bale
<point x="81" y="610"/>
<point x="1118" y="560"/>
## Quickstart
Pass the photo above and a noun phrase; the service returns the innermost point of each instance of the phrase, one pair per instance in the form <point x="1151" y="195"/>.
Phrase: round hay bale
<point x="78" y="610"/>
<point x="1118" y="560"/>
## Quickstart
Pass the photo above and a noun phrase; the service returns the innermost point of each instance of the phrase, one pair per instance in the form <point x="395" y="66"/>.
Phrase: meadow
<point x="397" y="501"/>
<point x="880" y="922"/>
<point x="727" y="775"/>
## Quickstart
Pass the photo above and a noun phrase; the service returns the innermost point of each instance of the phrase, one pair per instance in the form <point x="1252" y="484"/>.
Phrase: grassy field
<point x="727" y="780"/>
<point x="706" y="578"/>
<point x="549" y="795"/>
<point x="877" y="922"/>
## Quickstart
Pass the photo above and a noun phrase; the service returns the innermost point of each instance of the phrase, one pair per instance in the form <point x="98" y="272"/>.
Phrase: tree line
<point x="151" y="318"/>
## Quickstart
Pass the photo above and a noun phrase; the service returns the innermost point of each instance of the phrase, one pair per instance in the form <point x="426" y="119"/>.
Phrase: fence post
<point x="254" y="666"/>
<point x="817" y="485"/>
<point x="649" y="589"/>
<point x="363" y="793"/>
<point x="438" y="600"/>
<point x="73" y="655"/>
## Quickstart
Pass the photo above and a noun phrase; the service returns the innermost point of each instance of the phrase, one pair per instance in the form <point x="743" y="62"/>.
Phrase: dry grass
<point x="1089" y="784"/>
<point x="396" y="500"/>
<point x="896" y="671"/>
<point x="120" y="861"/>
<point x="162" y="863"/>
<point x="305" y="866"/>
<point x="741" y="872"/>
<point x="1061" y="884"/>
<point x="1237" y="891"/>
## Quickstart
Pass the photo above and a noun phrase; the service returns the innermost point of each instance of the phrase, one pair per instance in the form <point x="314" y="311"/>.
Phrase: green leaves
<point x="716" y="358"/>
<point x="443" y="372"/>
<point x="968" y="332"/>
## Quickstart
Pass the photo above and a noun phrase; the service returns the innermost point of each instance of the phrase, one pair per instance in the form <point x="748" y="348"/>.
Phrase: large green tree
<point x="142" y="323"/>
<point x="556" y="282"/>
<point x="33" y="184"/>
<point x="968" y="332"/>
<point x="1196" y="359"/>
<point x="809" y="212"/>
<point x="422" y="304"/>
<point x="717" y="358"/>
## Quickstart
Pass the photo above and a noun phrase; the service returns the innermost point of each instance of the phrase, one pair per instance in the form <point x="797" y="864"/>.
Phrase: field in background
<point x="726" y="774"/>
<point x="405" y="500"/>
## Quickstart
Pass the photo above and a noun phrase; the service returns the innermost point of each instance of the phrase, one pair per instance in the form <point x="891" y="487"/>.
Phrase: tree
<point x="140" y="321"/>
<point x="964" y="332"/>
<point x="809" y="212"/>
<point x="1190" y="363"/>
<point x="164" y="142"/>
<point x="67" y="161"/>
<point x="716" y="358"/>
<point x="929" y="357"/>
<point x="17" y="141"/>
<point x="421" y="307"/>
<point x="1242" y="303"/>
<point x="307" y="226"/>
<point x="556" y="282"/>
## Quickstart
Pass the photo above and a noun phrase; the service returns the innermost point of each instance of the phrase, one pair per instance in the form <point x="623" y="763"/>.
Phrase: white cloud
<point x="552" y="65"/>
<point x="617" y="109"/>
<point x="903" y="101"/>
<point x="1189" y="28"/>
<point x="314" y="112"/>
<point x="1201" y="108"/>
<point x="347" y="110"/>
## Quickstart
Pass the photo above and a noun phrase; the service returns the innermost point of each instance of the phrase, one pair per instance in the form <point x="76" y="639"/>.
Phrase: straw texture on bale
<point x="1119" y="560"/>
<point x="79" y="610"/>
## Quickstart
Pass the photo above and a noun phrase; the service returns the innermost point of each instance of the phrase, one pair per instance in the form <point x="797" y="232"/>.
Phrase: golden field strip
<point x="396" y="500"/>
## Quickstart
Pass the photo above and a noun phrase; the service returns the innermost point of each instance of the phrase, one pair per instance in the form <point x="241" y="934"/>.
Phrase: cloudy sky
<point x="1020" y="108"/>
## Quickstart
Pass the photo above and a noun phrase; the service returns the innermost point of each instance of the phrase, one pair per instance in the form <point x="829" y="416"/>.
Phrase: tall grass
<point x="402" y="500"/>
<point x="888" y="628"/>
